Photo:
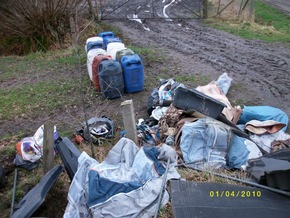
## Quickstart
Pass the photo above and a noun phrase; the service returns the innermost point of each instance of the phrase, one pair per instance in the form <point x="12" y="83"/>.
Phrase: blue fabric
<point x="263" y="113"/>
<point x="205" y="140"/>
<point x="192" y="144"/>
<point x="101" y="189"/>
<point x="238" y="153"/>
<point x="152" y="153"/>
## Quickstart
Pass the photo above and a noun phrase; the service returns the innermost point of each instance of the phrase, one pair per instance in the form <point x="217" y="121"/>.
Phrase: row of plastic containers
<point x="113" y="68"/>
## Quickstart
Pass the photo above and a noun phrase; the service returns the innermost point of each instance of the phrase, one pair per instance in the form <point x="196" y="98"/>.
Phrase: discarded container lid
<point x="106" y="35"/>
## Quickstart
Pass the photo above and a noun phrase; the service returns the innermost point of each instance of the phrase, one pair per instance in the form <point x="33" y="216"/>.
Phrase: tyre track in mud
<point x="233" y="56"/>
<point x="262" y="68"/>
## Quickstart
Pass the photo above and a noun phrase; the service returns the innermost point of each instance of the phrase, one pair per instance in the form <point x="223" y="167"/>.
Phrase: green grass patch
<point x="270" y="25"/>
<point x="30" y="99"/>
<point x="193" y="80"/>
<point x="268" y="16"/>
<point x="39" y="62"/>
<point x="149" y="55"/>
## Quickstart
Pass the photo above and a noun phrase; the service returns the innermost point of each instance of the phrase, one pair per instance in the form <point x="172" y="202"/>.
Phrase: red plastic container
<point x="95" y="68"/>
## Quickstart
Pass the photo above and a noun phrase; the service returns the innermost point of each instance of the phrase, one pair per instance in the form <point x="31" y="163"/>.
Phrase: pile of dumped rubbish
<point x="197" y="128"/>
<point x="207" y="131"/>
<point x="193" y="127"/>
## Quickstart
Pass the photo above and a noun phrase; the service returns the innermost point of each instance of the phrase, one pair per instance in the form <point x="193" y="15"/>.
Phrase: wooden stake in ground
<point x="129" y="120"/>
<point x="252" y="10"/>
<point x="48" y="147"/>
<point x="204" y="8"/>
<point x="73" y="32"/>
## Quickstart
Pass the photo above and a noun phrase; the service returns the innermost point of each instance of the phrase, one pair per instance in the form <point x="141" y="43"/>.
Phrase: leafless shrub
<point x="43" y="22"/>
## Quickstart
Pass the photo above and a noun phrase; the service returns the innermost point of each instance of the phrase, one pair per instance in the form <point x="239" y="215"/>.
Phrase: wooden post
<point x="98" y="8"/>
<point x="91" y="9"/>
<point x="48" y="146"/>
<point x="252" y="10"/>
<point x="73" y="31"/>
<point x="204" y="8"/>
<point x="129" y="120"/>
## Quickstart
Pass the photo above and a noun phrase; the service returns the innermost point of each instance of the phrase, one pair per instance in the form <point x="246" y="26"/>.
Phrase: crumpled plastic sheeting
<point x="137" y="203"/>
<point x="265" y="140"/>
<point x="212" y="90"/>
<point x="78" y="191"/>
<point x="123" y="152"/>
<point x="116" y="167"/>
<point x="224" y="82"/>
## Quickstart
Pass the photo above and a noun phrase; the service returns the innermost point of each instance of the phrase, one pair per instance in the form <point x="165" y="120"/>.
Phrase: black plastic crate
<point x="191" y="99"/>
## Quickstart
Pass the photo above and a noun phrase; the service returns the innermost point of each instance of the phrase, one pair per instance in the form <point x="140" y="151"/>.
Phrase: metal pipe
<point x="13" y="192"/>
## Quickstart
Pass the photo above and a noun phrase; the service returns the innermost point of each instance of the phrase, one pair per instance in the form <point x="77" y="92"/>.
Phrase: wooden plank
<point x="129" y="121"/>
<point x="48" y="147"/>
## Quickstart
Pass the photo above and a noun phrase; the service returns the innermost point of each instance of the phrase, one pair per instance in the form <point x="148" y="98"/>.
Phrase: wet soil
<point x="260" y="70"/>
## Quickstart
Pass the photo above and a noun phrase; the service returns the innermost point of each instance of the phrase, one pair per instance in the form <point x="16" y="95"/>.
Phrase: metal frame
<point x="195" y="11"/>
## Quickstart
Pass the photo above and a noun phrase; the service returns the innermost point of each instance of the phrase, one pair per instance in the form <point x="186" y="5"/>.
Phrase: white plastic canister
<point x="93" y="39"/>
<point x="90" y="57"/>
<point x="113" y="48"/>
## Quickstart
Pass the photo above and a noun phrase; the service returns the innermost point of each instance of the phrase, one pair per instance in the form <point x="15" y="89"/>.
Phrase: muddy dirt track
<point x="260" y="71"/>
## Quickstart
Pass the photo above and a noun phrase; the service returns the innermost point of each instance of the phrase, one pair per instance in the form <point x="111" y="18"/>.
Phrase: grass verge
<point x="270" y="25"/>
<point x="43" y="85"/>
<point x="31" y="99"/>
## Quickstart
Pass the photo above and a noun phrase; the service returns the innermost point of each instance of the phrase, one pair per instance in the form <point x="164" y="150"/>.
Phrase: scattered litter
<point x="97" y="127"/>
<point x="224" y="83"/>
<point x="30" y="149"/>
<point x="265" y="140"/>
